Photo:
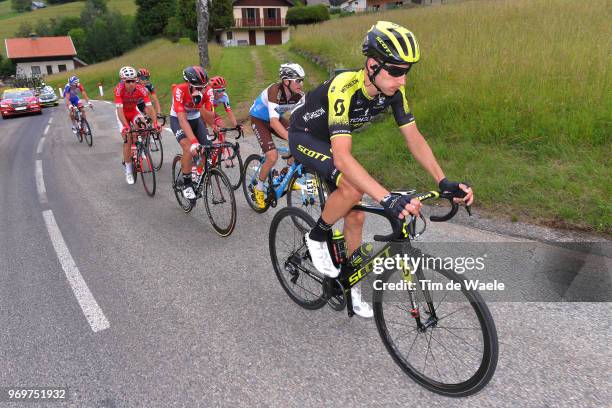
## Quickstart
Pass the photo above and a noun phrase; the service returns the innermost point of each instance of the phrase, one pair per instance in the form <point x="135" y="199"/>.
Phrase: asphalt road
<point x="129" y="302"/>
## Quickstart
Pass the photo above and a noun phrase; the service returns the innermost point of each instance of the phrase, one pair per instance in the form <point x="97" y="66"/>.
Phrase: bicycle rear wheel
<point x="86" y="131"/>
<point x="219" y="202"/>
<point x="252" y="166"/>
<point x="232" y="166"/>
<point x="156" y="149"/>
<point x="147" y="171"/>
<point x="79" y="132"/>
<point x="177" y="183"/>
<point x="291" y="260"/>
<point x="444" y="340"/>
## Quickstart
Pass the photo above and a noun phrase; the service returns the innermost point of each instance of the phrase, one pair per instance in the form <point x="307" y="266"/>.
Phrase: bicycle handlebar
<point x="238" y="128"/>
<point x="403" y="229"/>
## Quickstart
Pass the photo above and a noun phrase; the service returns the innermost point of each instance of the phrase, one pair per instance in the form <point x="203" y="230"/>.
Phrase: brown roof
<point x="39" y="47"/>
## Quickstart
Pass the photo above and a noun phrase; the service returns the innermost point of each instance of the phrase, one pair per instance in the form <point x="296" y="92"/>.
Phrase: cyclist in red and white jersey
<point x="127" y="94"/>
<point x="220" y="97"/>
<point x="191" y="110"/>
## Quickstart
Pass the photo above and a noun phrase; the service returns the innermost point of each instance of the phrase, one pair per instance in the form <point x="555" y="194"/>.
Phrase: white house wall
<point x="25" y="68"/>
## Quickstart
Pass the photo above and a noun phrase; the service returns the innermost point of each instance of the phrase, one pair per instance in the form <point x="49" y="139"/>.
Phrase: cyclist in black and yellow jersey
<point x="324" y="124"/>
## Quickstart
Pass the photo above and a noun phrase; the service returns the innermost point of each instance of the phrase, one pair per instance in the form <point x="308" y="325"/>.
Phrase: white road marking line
<point x="92" y="311"/>
<point x="40" y="183"/>
<point x="41" y="142"/>
<point x="46" y="130"/>
<point x="51" y="120"/>
<point x="168" y="129"/>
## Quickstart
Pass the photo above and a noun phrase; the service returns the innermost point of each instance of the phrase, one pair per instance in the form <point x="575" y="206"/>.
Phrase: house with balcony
<point x="257" y="22"/>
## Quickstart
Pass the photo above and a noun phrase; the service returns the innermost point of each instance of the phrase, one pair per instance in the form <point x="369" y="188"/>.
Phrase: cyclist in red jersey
<point x="220" y="97"/>
<point x="191" y="111"/>
<point x="127" y="94"/>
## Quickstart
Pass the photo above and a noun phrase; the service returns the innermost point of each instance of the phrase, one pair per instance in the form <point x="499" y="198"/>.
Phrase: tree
<point x="152" y="16"/>
<point x="187" y="18"/>
<point x="24" y="30"/>
<point x="65" y="24"/>
<point x="78" y="39"/>
<point x="93" y="9"/>
<point x="203" y="31"/>
<point x="221" y="16"/>
<point x="21" y="5"/>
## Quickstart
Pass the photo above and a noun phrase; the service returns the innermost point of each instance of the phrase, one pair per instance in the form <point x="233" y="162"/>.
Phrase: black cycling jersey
<point x="342" y="104"/>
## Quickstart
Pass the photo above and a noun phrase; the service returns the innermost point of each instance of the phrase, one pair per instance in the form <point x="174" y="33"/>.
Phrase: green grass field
<point x="514" y="96"/>
<point x="504" y="104"/>
<point x="10" y="21"/>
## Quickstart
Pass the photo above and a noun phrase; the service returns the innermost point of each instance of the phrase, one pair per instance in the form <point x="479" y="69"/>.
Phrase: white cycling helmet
<point x="291" y="70"/>
<point x="128" y="73"/>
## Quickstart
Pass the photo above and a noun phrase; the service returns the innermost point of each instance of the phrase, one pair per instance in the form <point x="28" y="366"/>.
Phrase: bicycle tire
<point x="291" y="285"/>
<point x="488" y="362"/>
<point x="147" y="171"/>
<point x="185" y="204"/>
<point x="134" y="169"/>
<point x="231" y="159"/>
<point x="306" y="200"/>
<point x="79" y="134"/>
<point x="86" y="131"/>
<point x="214" y="184"/>
<point x="155" y="142"/>
<point x="252" y="165"/>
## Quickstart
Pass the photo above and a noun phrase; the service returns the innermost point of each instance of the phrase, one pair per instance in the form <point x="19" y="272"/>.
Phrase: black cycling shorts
<point x="315" y="154"/>
<point x="197" y="126"/>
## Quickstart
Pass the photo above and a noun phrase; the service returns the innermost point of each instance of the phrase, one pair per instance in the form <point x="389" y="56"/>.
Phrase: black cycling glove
<point x="452" y="187"/>
<point x="394" y="204"/>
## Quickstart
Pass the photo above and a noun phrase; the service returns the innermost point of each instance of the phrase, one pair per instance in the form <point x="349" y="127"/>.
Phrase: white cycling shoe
<point x="321" y="259"/>
<point x="188" y="193"/>
<point x="360" y="306"/>
<point x="129" y="178"/>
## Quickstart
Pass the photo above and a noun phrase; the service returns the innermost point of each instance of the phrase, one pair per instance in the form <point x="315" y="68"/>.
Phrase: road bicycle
<point x="302" y="186"/>
<point x="141" y="158"/>
<point x="212" y="185"/>
<point x="81" y="126"/>
<point x="231" y="161"/>
<point x="445" y="340"/>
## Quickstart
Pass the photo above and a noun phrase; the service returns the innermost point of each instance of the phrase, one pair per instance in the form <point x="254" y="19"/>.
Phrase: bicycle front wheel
<point x="220" y="202"/>
<point x="252" y="166"/>
<point x="232" y="166"/>
<point x="291" y="259"/>
<point x="445" y="340"/>
<point x="156" y="150"/>
<point x="177" y="183"/>
<point x="307" y="192"/>
<point x="147" y="171"/>
<point x="86" y="132"/>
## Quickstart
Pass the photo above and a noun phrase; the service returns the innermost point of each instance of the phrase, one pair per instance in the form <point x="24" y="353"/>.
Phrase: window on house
<point x="271" y="13"/>
<point x="35" y="70"/>
<point x="61" y="67"/>
<point x="230" y="35"/>
<point x="250" y="13"/>
<point x="49" y="69"/>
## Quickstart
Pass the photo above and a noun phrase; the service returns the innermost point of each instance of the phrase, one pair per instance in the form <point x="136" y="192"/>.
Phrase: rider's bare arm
<point x="232" y="118"/>
<point x="208" y="116"/>
<point x="353" y="171"/>
<point x="121" y="117"/>
<point x="156" y="102"/>
<point x="421" y="151"/>
<point x="150" y="111"/>
<point x="279" y="128"/>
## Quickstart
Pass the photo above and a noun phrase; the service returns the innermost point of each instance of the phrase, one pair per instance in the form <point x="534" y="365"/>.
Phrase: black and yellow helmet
<point x="391" y="43"/>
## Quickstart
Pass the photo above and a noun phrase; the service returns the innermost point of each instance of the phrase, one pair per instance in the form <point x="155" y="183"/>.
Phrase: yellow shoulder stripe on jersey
<point x="341" y="135"/>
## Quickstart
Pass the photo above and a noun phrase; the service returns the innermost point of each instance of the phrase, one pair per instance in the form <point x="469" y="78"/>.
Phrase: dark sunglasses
<point x="220" y="90"/>
<point x="198" y="88"/>
<point x="130" y="81"/>
<point x="396" y="71"/>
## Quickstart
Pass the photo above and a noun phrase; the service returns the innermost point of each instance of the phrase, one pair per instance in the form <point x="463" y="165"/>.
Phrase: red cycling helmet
<point x="144" y="73"/>
<point x="218" y="82"/>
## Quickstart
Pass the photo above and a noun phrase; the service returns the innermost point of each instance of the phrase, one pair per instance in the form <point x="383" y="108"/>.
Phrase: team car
<point x="17" y="101"/>
<point x="48" y="97"/>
